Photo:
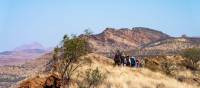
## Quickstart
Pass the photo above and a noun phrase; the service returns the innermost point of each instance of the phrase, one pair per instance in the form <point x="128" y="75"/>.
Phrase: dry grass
<point x="125" y="77"/>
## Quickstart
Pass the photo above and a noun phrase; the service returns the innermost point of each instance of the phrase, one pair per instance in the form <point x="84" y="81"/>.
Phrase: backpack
<point x="133" y="62"/>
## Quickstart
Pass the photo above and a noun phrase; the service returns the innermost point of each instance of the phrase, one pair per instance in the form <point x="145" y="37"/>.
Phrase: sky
<point x="46" y="21"/>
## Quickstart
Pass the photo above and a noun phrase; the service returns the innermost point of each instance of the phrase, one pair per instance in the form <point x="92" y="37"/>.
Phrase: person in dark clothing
<point x="117" y="58"/>
<point x="123" y="60"/>
<point x="128" y="63"/>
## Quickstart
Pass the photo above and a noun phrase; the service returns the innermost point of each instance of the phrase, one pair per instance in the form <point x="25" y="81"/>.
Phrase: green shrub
<point x="168" y="68"/>
<point x="67" y="55"/>
<point x="93" y="78"/>
<point x="192" y="56"/>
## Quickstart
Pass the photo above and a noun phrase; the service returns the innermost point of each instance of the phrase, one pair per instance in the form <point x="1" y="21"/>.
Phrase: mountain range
<point x="22" y="54"/>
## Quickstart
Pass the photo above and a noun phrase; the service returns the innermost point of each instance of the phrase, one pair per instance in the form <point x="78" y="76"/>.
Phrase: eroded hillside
<point x="170" y="45"/>
<point x="123" y="39"/>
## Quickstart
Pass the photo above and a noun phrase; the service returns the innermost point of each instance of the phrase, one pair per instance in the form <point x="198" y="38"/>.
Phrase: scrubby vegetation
<point x="93" y="78"/>
<point x="168" y="68"/>
<point x="192" y="56"/>
<point x="173" y="66"/>
<point x="192" y="61"/>
<point x="67" y="54"/>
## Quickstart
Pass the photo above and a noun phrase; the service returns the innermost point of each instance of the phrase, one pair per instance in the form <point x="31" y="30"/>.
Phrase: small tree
<point x="192" y="56"/>
<point x="66" y="56"/>
<point x="88" y="32"/>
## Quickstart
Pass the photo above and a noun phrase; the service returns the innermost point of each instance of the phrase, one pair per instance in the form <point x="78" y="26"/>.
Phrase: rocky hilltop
<point x="139" y="41"/>
<point x="124" y="39"/>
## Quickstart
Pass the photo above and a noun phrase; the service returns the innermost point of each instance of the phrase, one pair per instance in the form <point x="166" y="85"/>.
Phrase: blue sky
<point x="46" y="21"/>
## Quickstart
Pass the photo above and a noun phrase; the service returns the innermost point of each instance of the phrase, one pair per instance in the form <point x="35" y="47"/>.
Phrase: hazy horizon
<point x="46" y="21"/>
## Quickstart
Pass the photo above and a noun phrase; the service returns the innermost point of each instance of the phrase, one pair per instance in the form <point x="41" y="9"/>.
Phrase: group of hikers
<point x="125" y="60"/>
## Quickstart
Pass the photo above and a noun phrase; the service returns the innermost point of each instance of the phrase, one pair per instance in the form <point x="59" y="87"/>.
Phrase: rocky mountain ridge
<point x="139" y="41"/>
<point x="124" y="39"/>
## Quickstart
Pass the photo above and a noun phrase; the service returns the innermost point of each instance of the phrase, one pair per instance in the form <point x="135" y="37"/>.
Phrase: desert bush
<point x="192" y="56"/>
<point x="151" y="65"/>
<point x="168" y="68"/>
<point x="93" y="78"/>
<point x="66" y="56"/>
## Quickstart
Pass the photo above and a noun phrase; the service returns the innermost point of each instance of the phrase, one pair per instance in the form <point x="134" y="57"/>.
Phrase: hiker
<point x="128" y="63"/>
<point x="118" y="57"/>
<point x="123" y="61"/>
<point x="138" y="64"/>
<point x="133" y="61"/>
